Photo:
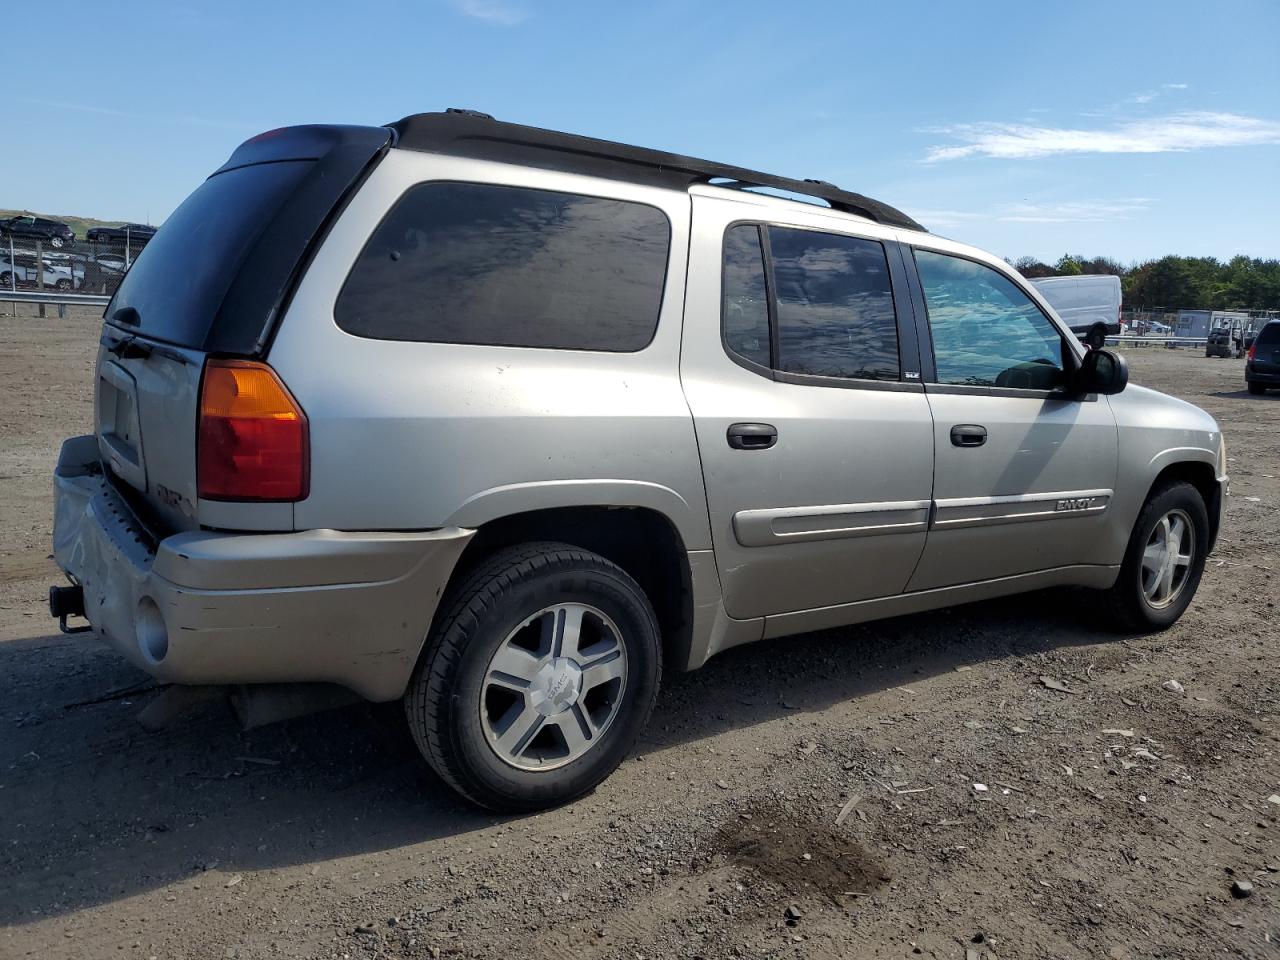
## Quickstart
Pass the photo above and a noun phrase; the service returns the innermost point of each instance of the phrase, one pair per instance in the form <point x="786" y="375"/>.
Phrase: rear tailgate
<point x="213" y="281"/>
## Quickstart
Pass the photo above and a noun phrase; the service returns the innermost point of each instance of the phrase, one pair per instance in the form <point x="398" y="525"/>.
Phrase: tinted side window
<point x="835" y="306"/>
<point x="987" y="332"/>
<point x="509" y="266"/>
<point x="746" y="298"/>
<point x="1269" y="335"/>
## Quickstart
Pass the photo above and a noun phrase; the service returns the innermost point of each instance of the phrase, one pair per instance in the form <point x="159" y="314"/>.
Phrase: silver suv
<point x="499" y="421"/>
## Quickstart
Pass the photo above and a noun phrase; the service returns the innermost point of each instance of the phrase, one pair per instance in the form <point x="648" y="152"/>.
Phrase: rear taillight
<point x="252" y="442"/>
<point x="1253" y="350"/>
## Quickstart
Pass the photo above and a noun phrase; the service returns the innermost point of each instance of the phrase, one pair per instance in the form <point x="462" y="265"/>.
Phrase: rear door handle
<point x="752" y="436"/>
<point x="968" y="435"/>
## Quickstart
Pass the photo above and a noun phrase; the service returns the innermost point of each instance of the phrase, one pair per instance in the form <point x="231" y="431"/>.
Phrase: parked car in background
<point x="1089" y="304"/>
<point x="1262" y="366"/>
<point x="541" y="413"/>
<point x="37" y="228"/>
<point x="133" y="233"/>
<point x="59" y="273"/>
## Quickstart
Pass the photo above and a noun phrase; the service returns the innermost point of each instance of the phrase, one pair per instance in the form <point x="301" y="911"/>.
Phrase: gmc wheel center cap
<point x="556" y="687"/>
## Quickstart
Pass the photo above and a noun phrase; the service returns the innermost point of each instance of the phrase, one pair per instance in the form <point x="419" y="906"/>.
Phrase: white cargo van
<point x="1090" y="304"/>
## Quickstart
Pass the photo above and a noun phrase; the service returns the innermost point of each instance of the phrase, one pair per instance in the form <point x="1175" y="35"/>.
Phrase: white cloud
<point x="1171" y="134"/>
<point x="1078" y="211"/>
<point x="491" y="11"/>
<point x="184" y="119"/>
<point x="1149" y="95"/>
<point x="1067" y="211"/>
<point x="946" y="218"/>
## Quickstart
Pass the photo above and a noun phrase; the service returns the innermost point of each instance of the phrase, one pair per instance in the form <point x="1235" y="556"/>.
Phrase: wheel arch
<point x="643" y="541"/>
<point x="1194" y="466"/>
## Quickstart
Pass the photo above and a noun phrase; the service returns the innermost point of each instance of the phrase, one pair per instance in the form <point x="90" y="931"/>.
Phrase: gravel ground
<point x="810" y="797"/>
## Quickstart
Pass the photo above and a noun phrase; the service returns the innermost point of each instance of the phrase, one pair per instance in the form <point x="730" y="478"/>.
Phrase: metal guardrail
<point x="53" y="296"/>
<point x="1168" y="341"/>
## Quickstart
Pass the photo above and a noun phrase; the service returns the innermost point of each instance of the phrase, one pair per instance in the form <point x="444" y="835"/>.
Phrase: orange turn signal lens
<point x="253" y="437"/>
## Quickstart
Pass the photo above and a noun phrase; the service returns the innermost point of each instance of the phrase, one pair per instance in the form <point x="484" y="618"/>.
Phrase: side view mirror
<point x="1101" y="371"/>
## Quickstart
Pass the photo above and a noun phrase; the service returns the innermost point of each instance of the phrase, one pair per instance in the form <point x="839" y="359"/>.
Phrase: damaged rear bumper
<point x="205" y="607"/>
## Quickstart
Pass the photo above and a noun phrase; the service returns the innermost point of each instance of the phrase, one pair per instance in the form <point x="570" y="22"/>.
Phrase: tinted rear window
<point x="181" y="275"/>
<point x="1269" y="335"/>
<point x="509" y="266"/>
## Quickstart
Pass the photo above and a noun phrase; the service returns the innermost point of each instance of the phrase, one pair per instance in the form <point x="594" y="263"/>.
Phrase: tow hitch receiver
<point x="67" y="602"/>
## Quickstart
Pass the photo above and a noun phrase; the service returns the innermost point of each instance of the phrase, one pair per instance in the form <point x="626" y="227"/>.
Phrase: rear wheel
<point x="538" y="679"/>
<point x="1164" y="560"/>
<point x="1096" y="338"/>
<point x="1257" y="389"/>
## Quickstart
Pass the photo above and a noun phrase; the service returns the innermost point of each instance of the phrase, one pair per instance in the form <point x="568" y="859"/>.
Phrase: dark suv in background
<point x="1262" y="368"/>
<point x="37" y="228"/>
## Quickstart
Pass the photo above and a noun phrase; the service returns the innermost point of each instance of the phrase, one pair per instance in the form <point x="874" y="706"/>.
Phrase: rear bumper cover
<point x="204" y="607"/>
<point x="1253" y="375"/>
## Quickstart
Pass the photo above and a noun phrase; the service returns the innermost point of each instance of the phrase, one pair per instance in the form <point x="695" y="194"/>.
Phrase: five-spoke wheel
<point x="553" y="687"/>
<point x="538" y="677"/>
<point x="1166" y="561"/>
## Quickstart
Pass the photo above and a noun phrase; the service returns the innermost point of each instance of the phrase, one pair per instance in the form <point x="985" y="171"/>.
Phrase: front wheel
<point x="63" y="284"/>
<point x="538" y="677"/>
<point x="1164" y="560"/>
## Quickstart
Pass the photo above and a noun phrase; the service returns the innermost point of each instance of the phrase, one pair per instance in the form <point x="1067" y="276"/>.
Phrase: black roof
<point x="466" y="133"/>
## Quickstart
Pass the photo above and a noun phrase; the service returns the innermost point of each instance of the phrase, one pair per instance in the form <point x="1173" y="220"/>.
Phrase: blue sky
<point x="1130" y="129"/>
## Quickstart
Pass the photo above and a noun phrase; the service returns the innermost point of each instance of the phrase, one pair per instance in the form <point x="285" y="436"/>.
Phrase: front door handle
<point x="968" y="435"/>
<point x="752" y="436"/>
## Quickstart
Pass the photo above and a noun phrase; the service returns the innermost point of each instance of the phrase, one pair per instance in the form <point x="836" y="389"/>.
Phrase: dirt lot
<point x="1117" y="815"/>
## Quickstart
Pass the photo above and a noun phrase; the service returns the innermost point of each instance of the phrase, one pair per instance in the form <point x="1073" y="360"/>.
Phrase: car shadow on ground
<point x="97" y="810"/>
<point x="1246" y="395"/>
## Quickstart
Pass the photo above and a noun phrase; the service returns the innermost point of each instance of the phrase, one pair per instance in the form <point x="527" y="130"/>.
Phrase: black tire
<point x="1128" y="608"/>
<point x="1257" y="389"/>
<point x="1096" y="338"/>
<point x="6" y="280"/>
<point x="63" y="284"/>
<point x="444" y="701"/>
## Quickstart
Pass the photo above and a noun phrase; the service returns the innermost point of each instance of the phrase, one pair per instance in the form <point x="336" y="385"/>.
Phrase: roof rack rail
<point x="469" y="133"/>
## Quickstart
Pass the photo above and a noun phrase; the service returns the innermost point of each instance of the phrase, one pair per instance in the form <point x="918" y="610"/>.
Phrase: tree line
<point x="1178" y="283"/>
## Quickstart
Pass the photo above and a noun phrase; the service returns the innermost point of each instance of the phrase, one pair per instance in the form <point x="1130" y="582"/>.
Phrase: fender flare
<point x="1171" y="455"/>
<point x="690" y="521"/>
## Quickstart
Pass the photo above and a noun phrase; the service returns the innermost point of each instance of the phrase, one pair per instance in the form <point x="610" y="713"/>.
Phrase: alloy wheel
<point x="553" y="687"/>
<point x="1167" y="559"/>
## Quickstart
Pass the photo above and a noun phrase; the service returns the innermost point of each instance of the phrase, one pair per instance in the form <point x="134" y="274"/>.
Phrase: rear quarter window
<point x="510" y="266"/>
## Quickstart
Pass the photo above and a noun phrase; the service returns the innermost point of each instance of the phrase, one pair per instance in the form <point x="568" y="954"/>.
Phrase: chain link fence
<point x="71" y="266"/>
